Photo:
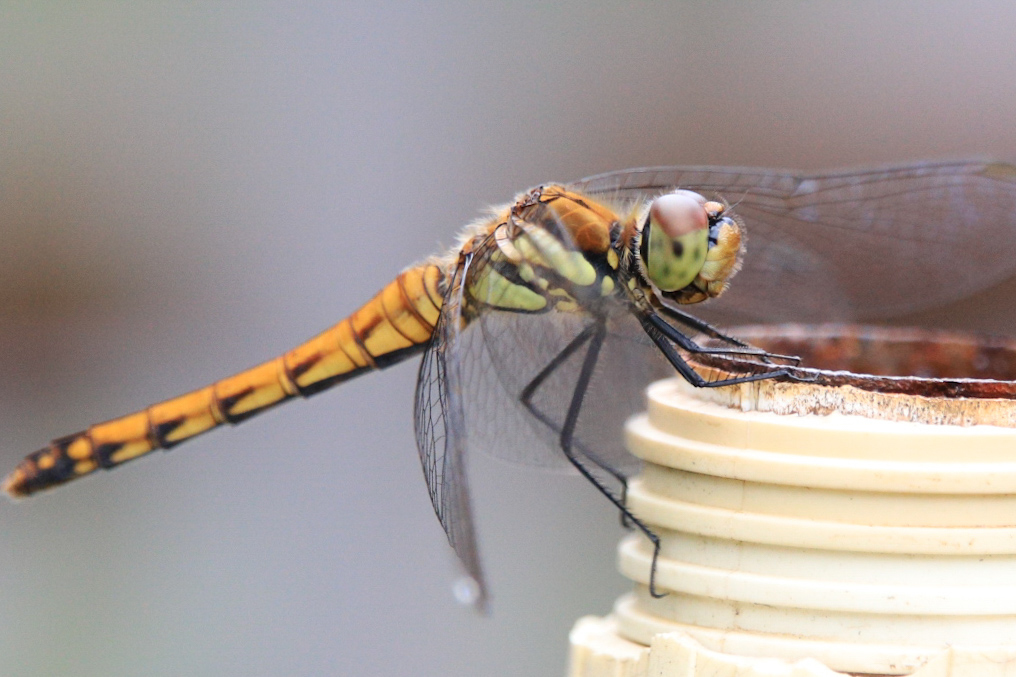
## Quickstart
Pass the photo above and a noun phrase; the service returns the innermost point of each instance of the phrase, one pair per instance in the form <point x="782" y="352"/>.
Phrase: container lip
<point x="953" y="387"/>
<point x="636" y="624"/>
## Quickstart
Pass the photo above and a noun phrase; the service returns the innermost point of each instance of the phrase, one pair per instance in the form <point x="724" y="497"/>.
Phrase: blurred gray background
<point x="187" y="189"/>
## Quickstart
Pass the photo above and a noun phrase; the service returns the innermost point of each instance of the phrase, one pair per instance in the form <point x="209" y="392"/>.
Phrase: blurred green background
<point x="187" y="189"/>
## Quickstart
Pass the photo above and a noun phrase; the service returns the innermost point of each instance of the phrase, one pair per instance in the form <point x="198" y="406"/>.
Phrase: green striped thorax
<point x="689" y="246"/>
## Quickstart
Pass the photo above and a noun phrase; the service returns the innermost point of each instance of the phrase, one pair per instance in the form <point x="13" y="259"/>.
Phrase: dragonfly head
<point x="690" y="247"/>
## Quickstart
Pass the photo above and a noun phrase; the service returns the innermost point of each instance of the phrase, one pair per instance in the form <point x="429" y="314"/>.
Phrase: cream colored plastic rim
<point x="868" y="544"/>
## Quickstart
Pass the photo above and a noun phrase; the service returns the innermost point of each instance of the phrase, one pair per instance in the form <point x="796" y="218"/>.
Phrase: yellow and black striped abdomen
<point x="394" y="325"/>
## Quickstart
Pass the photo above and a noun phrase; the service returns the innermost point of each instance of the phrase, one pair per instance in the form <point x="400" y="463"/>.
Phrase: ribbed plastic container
<point x="862" y="524"/>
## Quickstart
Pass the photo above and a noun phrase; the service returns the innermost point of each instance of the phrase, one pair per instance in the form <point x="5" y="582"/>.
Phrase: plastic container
<point x="862" y="523"/>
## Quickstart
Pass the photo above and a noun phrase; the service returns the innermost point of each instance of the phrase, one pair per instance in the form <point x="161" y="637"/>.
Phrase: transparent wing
<point x="516" y="349"/>
<point x="503" y="352"/>
<point x="439" y="421"/>
<point x="850" y="245"/>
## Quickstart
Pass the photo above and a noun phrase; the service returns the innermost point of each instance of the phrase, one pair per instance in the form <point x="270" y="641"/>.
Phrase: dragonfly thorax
<point x="688" y="247"/>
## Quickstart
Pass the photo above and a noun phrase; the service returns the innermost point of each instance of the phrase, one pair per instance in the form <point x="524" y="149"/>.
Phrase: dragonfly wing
<point x="439" y="421"/>
<point x="850" y="245"/>
<point x="503" y="352"/>
<point x="516" y="349"/>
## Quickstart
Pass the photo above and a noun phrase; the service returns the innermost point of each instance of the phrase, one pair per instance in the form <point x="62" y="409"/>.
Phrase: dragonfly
<point x="541" y="327"/>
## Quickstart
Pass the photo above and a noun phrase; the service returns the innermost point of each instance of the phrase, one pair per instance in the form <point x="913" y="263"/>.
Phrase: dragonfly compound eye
<point x="678" y="239"/>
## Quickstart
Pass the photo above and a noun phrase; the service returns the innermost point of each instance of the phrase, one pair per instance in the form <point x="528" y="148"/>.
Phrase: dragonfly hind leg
<point x="526" y="398"/>
<point x="572" y="448"/>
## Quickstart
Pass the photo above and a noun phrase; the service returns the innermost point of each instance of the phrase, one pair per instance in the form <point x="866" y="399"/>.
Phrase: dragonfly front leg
<point x="709" y="330"/>
<point x="700" y="325"/>
<point x="662" y="333"/>
<point x="573" y="449"/>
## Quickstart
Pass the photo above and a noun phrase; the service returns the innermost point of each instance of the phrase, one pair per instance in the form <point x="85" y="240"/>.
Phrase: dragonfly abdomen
<point x="397" y="323"/>
<point x="393" y="325"/>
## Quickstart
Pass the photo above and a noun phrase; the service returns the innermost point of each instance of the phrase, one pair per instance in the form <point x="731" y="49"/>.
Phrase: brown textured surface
<point x="942" y="378"/>
<point x="889" y="360"/>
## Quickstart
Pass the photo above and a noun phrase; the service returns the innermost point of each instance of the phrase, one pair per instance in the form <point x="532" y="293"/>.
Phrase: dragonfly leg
<point x="526" y="399"/>
<point x="678" y="337"/>
<point x="594" y="335"/>
<point x="712" y="332"/>
<point x="701" y="326"/>
<point x="662" y="339"/>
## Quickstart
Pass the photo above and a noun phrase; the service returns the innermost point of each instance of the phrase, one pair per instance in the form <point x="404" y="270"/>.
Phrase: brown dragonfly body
<point x="394" y="325"/>
<point x="523" y="308"/>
